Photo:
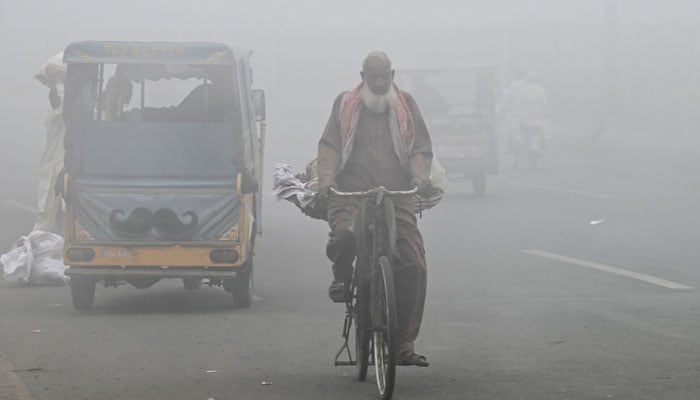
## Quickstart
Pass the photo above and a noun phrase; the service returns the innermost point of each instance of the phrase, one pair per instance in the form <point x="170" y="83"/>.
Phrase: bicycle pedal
<point x="345" y="300"/>
<point x="340" y="299"/>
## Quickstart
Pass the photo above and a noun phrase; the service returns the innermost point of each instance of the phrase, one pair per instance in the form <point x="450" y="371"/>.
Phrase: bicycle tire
<point x="362" y="333"/>
<point x="384" y="325"/>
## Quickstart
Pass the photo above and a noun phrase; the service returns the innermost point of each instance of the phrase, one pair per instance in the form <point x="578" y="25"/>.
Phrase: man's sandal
<point x="339" y="291"/>
<point x="415" y="359"/>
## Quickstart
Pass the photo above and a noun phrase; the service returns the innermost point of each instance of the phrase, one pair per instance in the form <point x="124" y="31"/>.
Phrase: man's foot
<point x="338" y="291"/>
<point x="412" y="358"/>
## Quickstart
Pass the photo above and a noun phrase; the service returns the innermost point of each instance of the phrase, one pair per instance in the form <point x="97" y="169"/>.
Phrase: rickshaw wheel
<point x="242" y="292"/>
<point x="82" y="291"/>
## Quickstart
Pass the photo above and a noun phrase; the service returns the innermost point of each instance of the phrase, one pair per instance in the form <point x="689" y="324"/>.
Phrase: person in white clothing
<point x="49" y="204"/>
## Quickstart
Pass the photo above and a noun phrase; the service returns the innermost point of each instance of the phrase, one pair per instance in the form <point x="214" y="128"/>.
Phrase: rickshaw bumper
<point x="149" y="272"/>
<point x="183" y="259"/>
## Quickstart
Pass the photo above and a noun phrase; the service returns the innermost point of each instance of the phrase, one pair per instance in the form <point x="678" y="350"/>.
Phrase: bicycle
<point x="371" y="304"/>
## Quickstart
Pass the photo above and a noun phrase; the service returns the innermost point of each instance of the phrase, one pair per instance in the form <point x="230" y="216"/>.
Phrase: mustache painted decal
<point x="171" y="227"/>
<point x="141" y="220"/>
<point x="136" y="224"/>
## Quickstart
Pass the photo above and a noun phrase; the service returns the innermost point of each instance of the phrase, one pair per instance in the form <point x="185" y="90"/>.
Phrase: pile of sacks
<point x="35" y="259"/>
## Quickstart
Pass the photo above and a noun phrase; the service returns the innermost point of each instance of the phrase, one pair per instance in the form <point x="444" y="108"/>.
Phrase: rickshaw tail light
<point x="223" y="256"/>
<point x="80" y="254"/>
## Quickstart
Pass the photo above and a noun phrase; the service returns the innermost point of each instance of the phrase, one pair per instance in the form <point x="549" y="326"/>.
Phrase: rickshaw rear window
<point x="138" y="120"/>
<point x="158" y="149"/>
<point x="165" y="93"/>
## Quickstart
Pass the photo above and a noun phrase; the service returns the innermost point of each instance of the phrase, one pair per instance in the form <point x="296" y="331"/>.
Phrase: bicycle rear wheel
<point x="362" y="332"/>
<point x="383" y="305"/>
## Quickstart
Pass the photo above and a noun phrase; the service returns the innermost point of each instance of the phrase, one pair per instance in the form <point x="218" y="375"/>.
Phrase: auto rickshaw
<point x="458" y="105"/>
<point x="163" y="166"/>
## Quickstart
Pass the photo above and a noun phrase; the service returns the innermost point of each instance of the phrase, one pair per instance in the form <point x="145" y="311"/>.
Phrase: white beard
<point x="378" y="103"/>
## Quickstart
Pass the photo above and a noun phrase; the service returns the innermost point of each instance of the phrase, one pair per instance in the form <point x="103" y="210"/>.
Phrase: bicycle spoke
<point x="379" y="361"/>
<point x="384" y="328"/>
<point x="362" y="334"/>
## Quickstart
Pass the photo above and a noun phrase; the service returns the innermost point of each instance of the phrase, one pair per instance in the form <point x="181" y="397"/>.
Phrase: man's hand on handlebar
<point x="323" y="191"/>
<point x="425" y="187"/>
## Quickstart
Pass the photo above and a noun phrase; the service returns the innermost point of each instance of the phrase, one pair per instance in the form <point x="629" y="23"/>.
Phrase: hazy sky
<point x="86" y="14"/>
<point x="32" y="30"/>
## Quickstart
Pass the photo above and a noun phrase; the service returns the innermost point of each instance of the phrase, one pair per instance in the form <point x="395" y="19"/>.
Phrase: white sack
<point x="36" y="259"/>
<point x="17" y="262"/>
<point x="48" y="271"/>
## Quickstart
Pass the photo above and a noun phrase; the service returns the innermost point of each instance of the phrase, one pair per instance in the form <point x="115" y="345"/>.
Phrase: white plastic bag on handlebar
<point x="438" y="175"/>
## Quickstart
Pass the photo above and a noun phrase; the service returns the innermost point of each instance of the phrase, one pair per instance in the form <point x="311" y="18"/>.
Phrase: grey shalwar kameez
<point x="372" y="162"/>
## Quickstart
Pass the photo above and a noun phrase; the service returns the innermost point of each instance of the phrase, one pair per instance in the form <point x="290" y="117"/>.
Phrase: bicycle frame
<point x="371" y="303"/>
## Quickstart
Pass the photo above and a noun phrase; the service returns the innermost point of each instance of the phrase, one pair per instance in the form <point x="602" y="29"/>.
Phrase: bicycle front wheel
<point x="384" y="328"/>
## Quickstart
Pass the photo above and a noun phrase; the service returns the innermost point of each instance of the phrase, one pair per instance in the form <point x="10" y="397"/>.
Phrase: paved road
<point x="527" y="300"/>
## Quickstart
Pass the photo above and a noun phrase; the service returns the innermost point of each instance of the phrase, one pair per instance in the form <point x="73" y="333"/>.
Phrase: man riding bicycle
<point x="376" y="136"/>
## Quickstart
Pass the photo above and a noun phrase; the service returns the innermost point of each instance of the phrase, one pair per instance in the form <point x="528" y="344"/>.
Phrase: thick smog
<point x="324" y="200"/>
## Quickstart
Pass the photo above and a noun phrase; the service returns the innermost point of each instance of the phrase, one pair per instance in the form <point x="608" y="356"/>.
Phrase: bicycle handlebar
<point x="378" y="190"/>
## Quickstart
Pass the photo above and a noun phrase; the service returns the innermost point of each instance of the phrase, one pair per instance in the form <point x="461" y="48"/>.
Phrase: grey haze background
<point x="632" y="63"/>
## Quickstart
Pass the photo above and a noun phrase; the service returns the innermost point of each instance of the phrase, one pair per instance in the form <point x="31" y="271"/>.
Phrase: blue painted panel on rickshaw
<point x="153" y="213"/>
<point x="157" y="149"/>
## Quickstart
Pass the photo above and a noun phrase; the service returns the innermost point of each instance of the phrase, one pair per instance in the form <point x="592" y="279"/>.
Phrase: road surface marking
<point x="19" y="205"/>
<point x="562" y="190"/>
<point x="607" y="268"/>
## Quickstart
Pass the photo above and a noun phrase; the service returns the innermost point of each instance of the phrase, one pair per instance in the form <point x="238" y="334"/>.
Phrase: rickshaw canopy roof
<point x="205" y="53"/>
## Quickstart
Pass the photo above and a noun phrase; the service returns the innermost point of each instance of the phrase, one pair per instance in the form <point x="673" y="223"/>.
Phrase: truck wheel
<point x="82" y="291"/>
<point x="479" y="184"/>
<point x="242" y="290"/>
<point x="192" y="283"/>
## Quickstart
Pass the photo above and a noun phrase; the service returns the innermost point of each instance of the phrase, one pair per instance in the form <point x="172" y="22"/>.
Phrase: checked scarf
<point x="403" y="131"/>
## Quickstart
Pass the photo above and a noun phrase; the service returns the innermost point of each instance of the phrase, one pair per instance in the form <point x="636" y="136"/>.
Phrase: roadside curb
<point x="11" y="387"/>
